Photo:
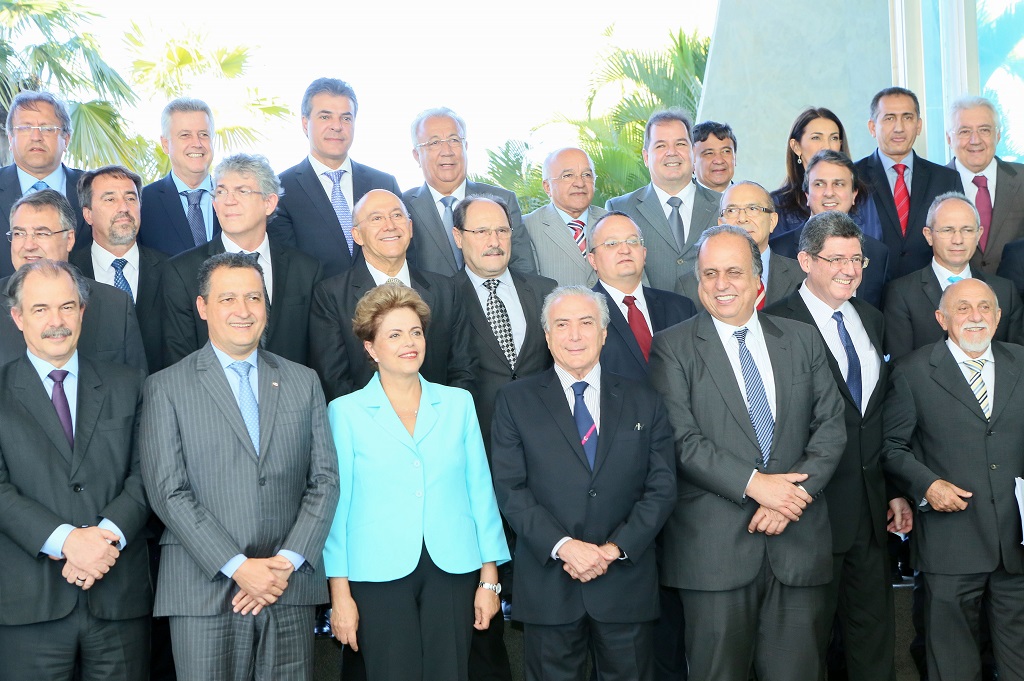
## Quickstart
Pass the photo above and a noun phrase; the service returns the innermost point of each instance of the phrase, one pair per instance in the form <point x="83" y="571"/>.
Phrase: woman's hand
<point x="486" y="605"/>
<point x="345" y="621"/>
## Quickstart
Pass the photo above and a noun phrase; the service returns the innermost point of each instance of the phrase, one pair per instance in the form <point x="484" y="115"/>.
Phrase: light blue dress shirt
<point x="56" y="180"/>
<point x="206" y="203"/>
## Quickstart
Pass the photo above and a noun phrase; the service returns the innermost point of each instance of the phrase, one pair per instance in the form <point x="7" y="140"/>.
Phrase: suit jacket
<point x="164" y="225"/>
<point x="665" y="262"/>
<point x="872" y="284"/>
<point x="621" y="353"/>
<point x="857" y="489"/>
<point x="705" y="544"/>
<point x="339" y="357"/>
<point x="492" y="369"/>
<point x="430" y="249"/>
<point x="911" y="252"/>
<point x="295" y="276"/>
<point x="935" y="429"/>
<point x="45" y="483"/>
<point x="784" y="276"/>
<point x="110" y="329"/>
<point x="306" y="219"/>
<point x="10" y="191"/>
<point x="558" y="256"/>
<point x="147" y="299"/>
<point x="1011" y="266"/>
<point x="547" y="491"/>
<point x="432" y="488"/>
<point x="1007" y="215"/>
<point x="218" y="497"/>
<point x="911" y="302"/>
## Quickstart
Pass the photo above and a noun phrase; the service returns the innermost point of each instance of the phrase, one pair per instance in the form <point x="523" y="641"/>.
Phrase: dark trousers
<point x="621" y="651"/>
<point x="669" y="636"/>
<point x="488" y="657"/>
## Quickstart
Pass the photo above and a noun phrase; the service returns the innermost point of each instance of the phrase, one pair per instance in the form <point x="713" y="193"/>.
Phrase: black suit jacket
<point x="148" y="305"/>
<point x="10" y="191"/>
<point x="306" y="219"/>
<point x="1011" y="266"/>
<point x="45" y="483"/>
<point x="911" y="301"/>
<point x="110" y="329"/>
<point x="339" y="357"/>
<point x="164" y="224"/>
<point x="295" y="275"/>
<point x="857" y="488"/>
<point x="492" y="368"/>
<point x="621" y="353"/>
<point x="911" y="252"/>
<point x="547" y="491"/>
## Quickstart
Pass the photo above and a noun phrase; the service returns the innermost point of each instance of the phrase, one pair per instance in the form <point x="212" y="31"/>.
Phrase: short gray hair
<point x="961" y="104"/>
<point x="183" y="105"/>
<point x="254" y="165"/>
<point x="574" y="290"/>
<point x="929" y="220"/>
<point x="716" y="230"/>
<point x="823" y="226"/>
<point x="436" y="112"/>
<point x="48" y="268"/>
<point x="31" y="99"/>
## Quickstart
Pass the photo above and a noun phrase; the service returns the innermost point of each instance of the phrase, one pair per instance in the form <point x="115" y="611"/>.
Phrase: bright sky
<point x="505" y="71"/>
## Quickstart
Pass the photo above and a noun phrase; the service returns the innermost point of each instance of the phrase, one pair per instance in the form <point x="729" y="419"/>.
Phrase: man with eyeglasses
<point x="749" y="205"/>
<point x="832" y="255"/>
<point x="245" y="196"/>
<point x="561" y="230"/>
<point x="952" y="229"/>
<point x="315" y="213"/>
<point x="43" y="227"/>
<point x="439" y="147"/>
<point x="38" y="132"/>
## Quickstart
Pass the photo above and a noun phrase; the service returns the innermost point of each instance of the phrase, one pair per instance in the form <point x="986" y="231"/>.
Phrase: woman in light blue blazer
<point x="412" y="556"/>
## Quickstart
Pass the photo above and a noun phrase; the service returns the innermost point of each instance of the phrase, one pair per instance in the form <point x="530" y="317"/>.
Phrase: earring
<point x="799" y="161"/>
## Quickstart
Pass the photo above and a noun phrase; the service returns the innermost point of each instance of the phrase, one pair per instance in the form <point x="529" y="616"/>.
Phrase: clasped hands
<point x="781" y="500"/>
<point x="89" y="553"/>
<point x="585" y="561"/>
<point x="261" y="581"/>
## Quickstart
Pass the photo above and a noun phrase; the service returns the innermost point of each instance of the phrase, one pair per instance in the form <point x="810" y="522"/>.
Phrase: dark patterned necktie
<point x="60" y="404"/>
<point x="497" y="317"/>
<point x="120" y="281"/>
<point x="196" y="221"/>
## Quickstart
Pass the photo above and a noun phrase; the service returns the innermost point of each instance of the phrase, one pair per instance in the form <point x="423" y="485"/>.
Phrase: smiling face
<point x="895" y="126"/>
<point x="50" y="316"/>
<point x="833" y="285"/>
<point x="830" y="187"/>
<point x="668" y="156"/>
<point x="32" y="220"/>
<point x="35" y="152"/>
<point x="821" y="133"/>
<point x="235" y="310"/>
<point x="715" y="162"/>
<point x="242" y="218"/>
<point x="574" y="334"/>
<point x="444" y="165"/>
<point x="952" y="246"/>
<point x="399" y="345"/>
<point x="622" y="265"/>
<point x="973" y="137"/>
<point x="759" y="224"/>
<point x="727" y="281"/>
<point x="970" y="315"/>
<point x="189" y="146"/>
<point x="382" y="229"/>
<point x="565" y="181"/>
<point x="330" y="128"/>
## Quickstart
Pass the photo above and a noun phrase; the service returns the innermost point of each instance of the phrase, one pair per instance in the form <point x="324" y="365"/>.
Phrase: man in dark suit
<point x="851" y="330"/>
<point x="177" y="209"/>
<point x="952" y="230"/>
<point x="38" y="132"/>
<point x="1011" y="266"/>
<point x="42" y="226"/>
<point x="383" y="230"/>
<point x="75" y="584"/>
<point x="673" y="210"/>
<point x="749" y="205"/>
<point x="246" y="527"/>
<point x="315" y="212"/>
<point x="953" y="442"/>
<point x="759" y="431"/>
<point x="903" y="184"/>
<point x="583" y="471"/>
<point x="439" y="146"/>
<point x="995" y="186"/>
<point x="110" y="204"/>
<point x="246" y="196"/>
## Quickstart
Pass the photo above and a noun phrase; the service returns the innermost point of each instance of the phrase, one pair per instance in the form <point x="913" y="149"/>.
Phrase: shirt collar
<point x="687" y="194"/>
<point x="967" y="175"/>
<point x="566" y="218"/>
<point x="943" y="275"/>
<point x="263" y="249"/>
<point x="459" y="193"/>
<point x="380" y="277"/>
<point x="180" y="186"/>
<point x="593" y="377"/>
<point x="320" y="168"/>
<point x="820" y="310"/>
<point x="618" y="294"/>
<point x="505" y="278"/>
<point x="105" y="258"/>
<point x="43" y="368"/>
<point x="56" y="180"/>
<point x="959" y="356"/>
<point x="888" y="163"/>
<point x="726" y="330"/>
<point x="226" y="360"/>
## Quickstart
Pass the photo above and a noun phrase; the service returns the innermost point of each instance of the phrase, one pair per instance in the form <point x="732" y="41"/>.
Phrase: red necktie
<point x="902" y="197"/>
<point x="759" y="301"/>
<point x="983" y="202"/>
<point x="577" y="235"/>
<point x="638" y="325"/>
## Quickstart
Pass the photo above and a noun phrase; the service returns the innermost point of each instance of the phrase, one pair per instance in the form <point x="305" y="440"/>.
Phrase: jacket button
<point x="592" y="493"/>
<point x="994" y="466"/>
<point x="680" y="261"/>
<point x="263" y="482"/>
<point x="76" y="487"/>
<point x="419" y="493"/>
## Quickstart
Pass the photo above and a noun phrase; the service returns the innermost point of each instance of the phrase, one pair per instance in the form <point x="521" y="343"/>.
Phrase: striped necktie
<point x="901" y="195"/>
<point x="759" y="410"/>
<point x="578" y="236"/>
<point x="977" y="384"/>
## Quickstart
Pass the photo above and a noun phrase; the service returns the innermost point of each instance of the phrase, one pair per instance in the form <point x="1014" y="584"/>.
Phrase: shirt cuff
<point x="111" y="526"/>
<point x="749" y="480"/>
<point x="554" y="551"/>
<point x="295" y="559"/>
<point x="54" y="544"/>
<point x="229" y="567"/>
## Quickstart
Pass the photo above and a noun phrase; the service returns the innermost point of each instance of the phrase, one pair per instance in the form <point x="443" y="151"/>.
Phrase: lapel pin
<point x="638" y="427"/>
<point x="274" y="383"/>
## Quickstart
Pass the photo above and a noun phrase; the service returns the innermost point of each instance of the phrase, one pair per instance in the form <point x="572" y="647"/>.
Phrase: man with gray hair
<point x="245" y="197"/>
<point x="38" y="133"/>
<point x="177" y="213"/>
<point x="321" y="191"/>
<point x="439" y="147"/>
<point x="583" y="472"/>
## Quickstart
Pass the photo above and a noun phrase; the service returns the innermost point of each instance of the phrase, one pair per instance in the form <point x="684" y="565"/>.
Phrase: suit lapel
<point x="712" y="353"/>
<point x="782" y="369"/>
<point x="149" y="279"/>
<point x="918" y="193"/>
<point x="611" y="410"/>
<point x="384" y="414"/>
<point x="280" y="261"/>
<point x="650" y="207"/>
<point x="1007" y="376"/>
<point x="884" y="200"/>
<point x="557" y="232"/>
<point x="90" y="403"/>
<point x="553" y="396"/>
<point x="874" y="332"/>
<point x="307" y="179"/>
<point x="32" y="395"/>
<point x="530" y="299"/>
<point x="620" y="325"/>
<point x="800" y="313"/>
<point x="947" y="374"/>
<point x="930" y="286"/>
<point x="269" y="386"/>
<point x="477" y="315"/>
<point x="703" y="213"/>
<point x="1009" y="185"/>
<point x="432" y="227"/>
<point x="778" y="272"/>
<point x="171" y="202"/>
<point x="213" y="380"/>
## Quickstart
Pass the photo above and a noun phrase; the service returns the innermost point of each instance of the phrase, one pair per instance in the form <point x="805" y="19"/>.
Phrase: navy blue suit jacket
<point x="164" y="224"/>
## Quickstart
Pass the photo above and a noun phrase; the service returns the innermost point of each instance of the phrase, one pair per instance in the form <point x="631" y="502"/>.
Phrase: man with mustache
<point x="954" y="444"/>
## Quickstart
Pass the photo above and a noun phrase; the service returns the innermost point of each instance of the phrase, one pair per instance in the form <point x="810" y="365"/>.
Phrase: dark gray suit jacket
<point x="1007" y="215"/>
<point x="784" y="276"/>
<point x="164" y="226"/>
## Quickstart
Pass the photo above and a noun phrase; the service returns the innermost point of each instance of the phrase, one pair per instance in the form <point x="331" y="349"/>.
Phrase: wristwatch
<point x="496" y="588"/>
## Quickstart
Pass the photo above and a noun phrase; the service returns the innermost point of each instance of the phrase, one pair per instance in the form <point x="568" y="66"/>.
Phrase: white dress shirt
<point x="459" y="194"/>
<point x="758" y="350"/>
<point x="506" y="292"/>
<point x="967" y="177"/>
<point x="264" y="260"/>
<point x="943" y="275"/>
<point x="380" y="278"/>
<point x="619" y="298"/>
<point x="988" y="371"/>
<point x="687" y="195"/>
<point x="103" y="269"/>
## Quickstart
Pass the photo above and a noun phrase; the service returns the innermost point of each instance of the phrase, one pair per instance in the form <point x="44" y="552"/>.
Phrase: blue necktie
<point x="39" y="186"/>
<point x="196" y="221"/>
<point x="955" y="278"/>
<point x="247" y="403"/>
<point x="853" y="381"/>
<point x="341" y="207"/>
<point x="449" y="224"/>
<point x="585" y="423"/>
<point x="759" y="411"/>
<point x="119" y="279"/>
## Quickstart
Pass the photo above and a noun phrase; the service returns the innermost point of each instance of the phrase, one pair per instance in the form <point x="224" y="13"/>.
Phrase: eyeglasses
<point x="435" y="145"/>
<point x="43" y="129"/>
<point x="983" y="131"/>
<point x="397" y="218"/>
<point x="838" y="263"/>
<point x="632" y="242"/>
<point x="488" y="232"/>
<point x="948" y="232"/>
<point x="221" y="193"/>
<point x="587" y="176"/>
<point x="36" y="234"/>
<point x="749" y="211"/>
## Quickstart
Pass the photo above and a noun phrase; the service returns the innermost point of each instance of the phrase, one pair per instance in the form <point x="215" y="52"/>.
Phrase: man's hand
<point x="768" y="521"/>
<point x="261" y="579"/>
<point x="74" y="575"/>
<point x="583" y="561"/>
<point x="945" y="496"/>
<point x="92" y="551"/>
<point x="900" y="516"/>
<point x="779" y="492"/>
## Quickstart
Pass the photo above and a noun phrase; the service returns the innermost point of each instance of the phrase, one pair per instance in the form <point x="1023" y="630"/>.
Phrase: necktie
<point x="449" y="224"/>
<point x="119" y="279"/>
<point x="60" y="403"/>
<point x="759" y="300"/>
<point x="247" y="403"/>
<point x="675" y="221"/>
<point x="902" y="197"/>
<point x="983" y="202"/>
<point x="853" y="378"/>
<point x="585" y="423"/>
<point x="759" y="410"/>
<point x="978" y="385"/>
<point x="954" y="279"/>
<point x="638" y="325"/>
<point x="497" y="317"/>
<point x="39" y="186"/>
<point x="578" y="236"/>
<point x="196" y="222"/>
<point x="341" y="208"/>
